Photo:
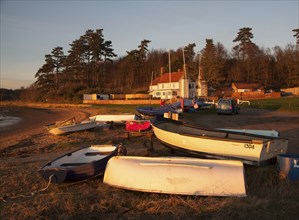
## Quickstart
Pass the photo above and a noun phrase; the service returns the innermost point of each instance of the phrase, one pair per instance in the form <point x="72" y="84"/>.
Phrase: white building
<point x="173" y="85"/>
<point x="202" y="85"/>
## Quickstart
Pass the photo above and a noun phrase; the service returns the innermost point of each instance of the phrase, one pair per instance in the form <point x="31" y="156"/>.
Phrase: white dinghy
<point x="116" y="119"/>
<point x="84" y="125"/>
<point x="212" y="143"/>
<point x="176" y="175"/>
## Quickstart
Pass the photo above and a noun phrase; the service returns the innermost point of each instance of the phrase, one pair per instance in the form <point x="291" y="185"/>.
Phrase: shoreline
<point x="33" y="119"/>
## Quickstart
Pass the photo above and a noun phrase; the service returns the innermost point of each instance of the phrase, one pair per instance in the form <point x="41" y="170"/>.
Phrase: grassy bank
<point x="287" y="103"/>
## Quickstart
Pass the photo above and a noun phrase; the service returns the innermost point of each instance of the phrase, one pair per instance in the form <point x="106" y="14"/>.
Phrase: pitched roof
<point x="248" y="86"/>
<point x="175" y="77"/>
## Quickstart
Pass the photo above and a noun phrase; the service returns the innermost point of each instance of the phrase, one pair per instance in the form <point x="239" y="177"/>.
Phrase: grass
<point x="287" y="103"/>
<point x="269" y="196"/>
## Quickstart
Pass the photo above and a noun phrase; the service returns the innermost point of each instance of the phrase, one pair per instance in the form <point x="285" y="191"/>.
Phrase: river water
<point x="7" y="120"/>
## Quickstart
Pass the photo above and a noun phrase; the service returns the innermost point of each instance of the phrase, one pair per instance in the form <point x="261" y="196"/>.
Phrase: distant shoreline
<point x="35" y="117"/>
<point x="41" y="104"/>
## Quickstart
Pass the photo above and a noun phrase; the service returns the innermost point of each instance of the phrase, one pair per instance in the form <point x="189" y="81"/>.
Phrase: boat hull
<point x="177" y="175"/>
<point x="138" y="125"/>
<point x="116" y="119"/>
<point x="251" y="149"/>
<point x="159" y="111"/>
<point x="81" y="164"/>
<point x="73" y="128"/>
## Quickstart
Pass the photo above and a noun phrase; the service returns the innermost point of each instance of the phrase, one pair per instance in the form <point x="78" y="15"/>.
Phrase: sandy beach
<point x="26" y="146"/>
<point x="33" y="120"/>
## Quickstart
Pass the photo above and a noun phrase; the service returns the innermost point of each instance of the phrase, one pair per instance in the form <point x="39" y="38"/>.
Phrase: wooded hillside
<point x="91" y="66"/>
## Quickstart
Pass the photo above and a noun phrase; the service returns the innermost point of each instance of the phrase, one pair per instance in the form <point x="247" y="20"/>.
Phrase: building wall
<point x="294" y="91"/>
<point x="165" y="90"/>
<point x="254" y="95"/>
<point x="202" y="88"/>
<point x="124" y="102"/>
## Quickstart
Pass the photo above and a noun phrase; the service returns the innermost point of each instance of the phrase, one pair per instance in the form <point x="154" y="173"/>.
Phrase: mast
<point x="185" y="75"/>
<point x="185" y="81"/>
<point x="199" y="73"/>
<point x="169" y="72"/>
<point x="169" y="65"/>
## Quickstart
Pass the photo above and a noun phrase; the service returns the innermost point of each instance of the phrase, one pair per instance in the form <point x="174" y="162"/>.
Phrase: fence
<point x="254" y="95"/>
<point x="294" y="91"/>
<point x="124" y="102"/>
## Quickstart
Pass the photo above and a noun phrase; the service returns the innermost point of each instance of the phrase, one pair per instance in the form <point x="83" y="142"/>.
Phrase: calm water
<point x="7" y="120"/>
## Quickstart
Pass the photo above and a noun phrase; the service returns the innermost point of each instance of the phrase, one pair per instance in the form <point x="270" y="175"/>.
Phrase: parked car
<point x="227" y="106"/>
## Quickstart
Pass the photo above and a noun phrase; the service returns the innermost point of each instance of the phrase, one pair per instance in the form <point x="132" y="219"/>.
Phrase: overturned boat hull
<point x="176" y="175"/>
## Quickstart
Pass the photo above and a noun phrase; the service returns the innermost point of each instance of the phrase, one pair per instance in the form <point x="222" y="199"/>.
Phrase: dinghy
<point x="212" y="143"/>
<point x="115" y="119"/>
<point x="82" y="164"/>
<point x="84" y="125"/>
<point x="176" y="175"/>
<point x="51" y="126"/>
<point x="138" y="125"/>
<point x="150" y="111"/>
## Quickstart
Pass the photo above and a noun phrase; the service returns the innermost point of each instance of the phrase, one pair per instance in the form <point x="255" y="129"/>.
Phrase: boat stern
<point x="272" y="148"/>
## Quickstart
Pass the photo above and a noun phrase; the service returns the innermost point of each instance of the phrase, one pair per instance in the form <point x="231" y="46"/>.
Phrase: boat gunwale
<point x="227" y="139"/>
<point x="70" y="153"/>
<point x="263" y="138"/>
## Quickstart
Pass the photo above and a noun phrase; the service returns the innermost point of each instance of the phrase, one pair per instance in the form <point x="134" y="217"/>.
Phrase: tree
<point x="192" y="69"/>
<point x="58" y="60"/>
<point x="45" y="75"/>
<point x="212" y="63"/>
<point x="137" y="59"/>
<point x="286" y="67"/>
<point x="143" y="49"/>
<point x="87" y="58"/>
<point x="296" y="35"/>
<point x="75" y="61"/>
<point x="246" y="53"/>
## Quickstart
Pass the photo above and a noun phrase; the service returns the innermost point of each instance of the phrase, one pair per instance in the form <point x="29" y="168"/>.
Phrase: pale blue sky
<point x="31" y="29"/>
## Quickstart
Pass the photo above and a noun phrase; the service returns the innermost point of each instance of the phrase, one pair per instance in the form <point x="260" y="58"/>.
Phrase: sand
<point x="33" y="121"/>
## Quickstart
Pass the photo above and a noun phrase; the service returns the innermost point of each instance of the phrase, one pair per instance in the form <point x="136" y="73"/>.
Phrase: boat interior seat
<point x="188" y="130"/>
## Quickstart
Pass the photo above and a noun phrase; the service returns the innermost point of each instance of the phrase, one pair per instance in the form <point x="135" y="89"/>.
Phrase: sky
<point x="31" y="29"/>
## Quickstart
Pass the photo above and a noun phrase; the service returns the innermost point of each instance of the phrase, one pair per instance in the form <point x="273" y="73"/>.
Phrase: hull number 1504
<point x="249" y="146"/>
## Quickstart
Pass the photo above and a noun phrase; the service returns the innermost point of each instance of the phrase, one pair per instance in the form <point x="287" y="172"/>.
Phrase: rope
<point x="30" y="194"/>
